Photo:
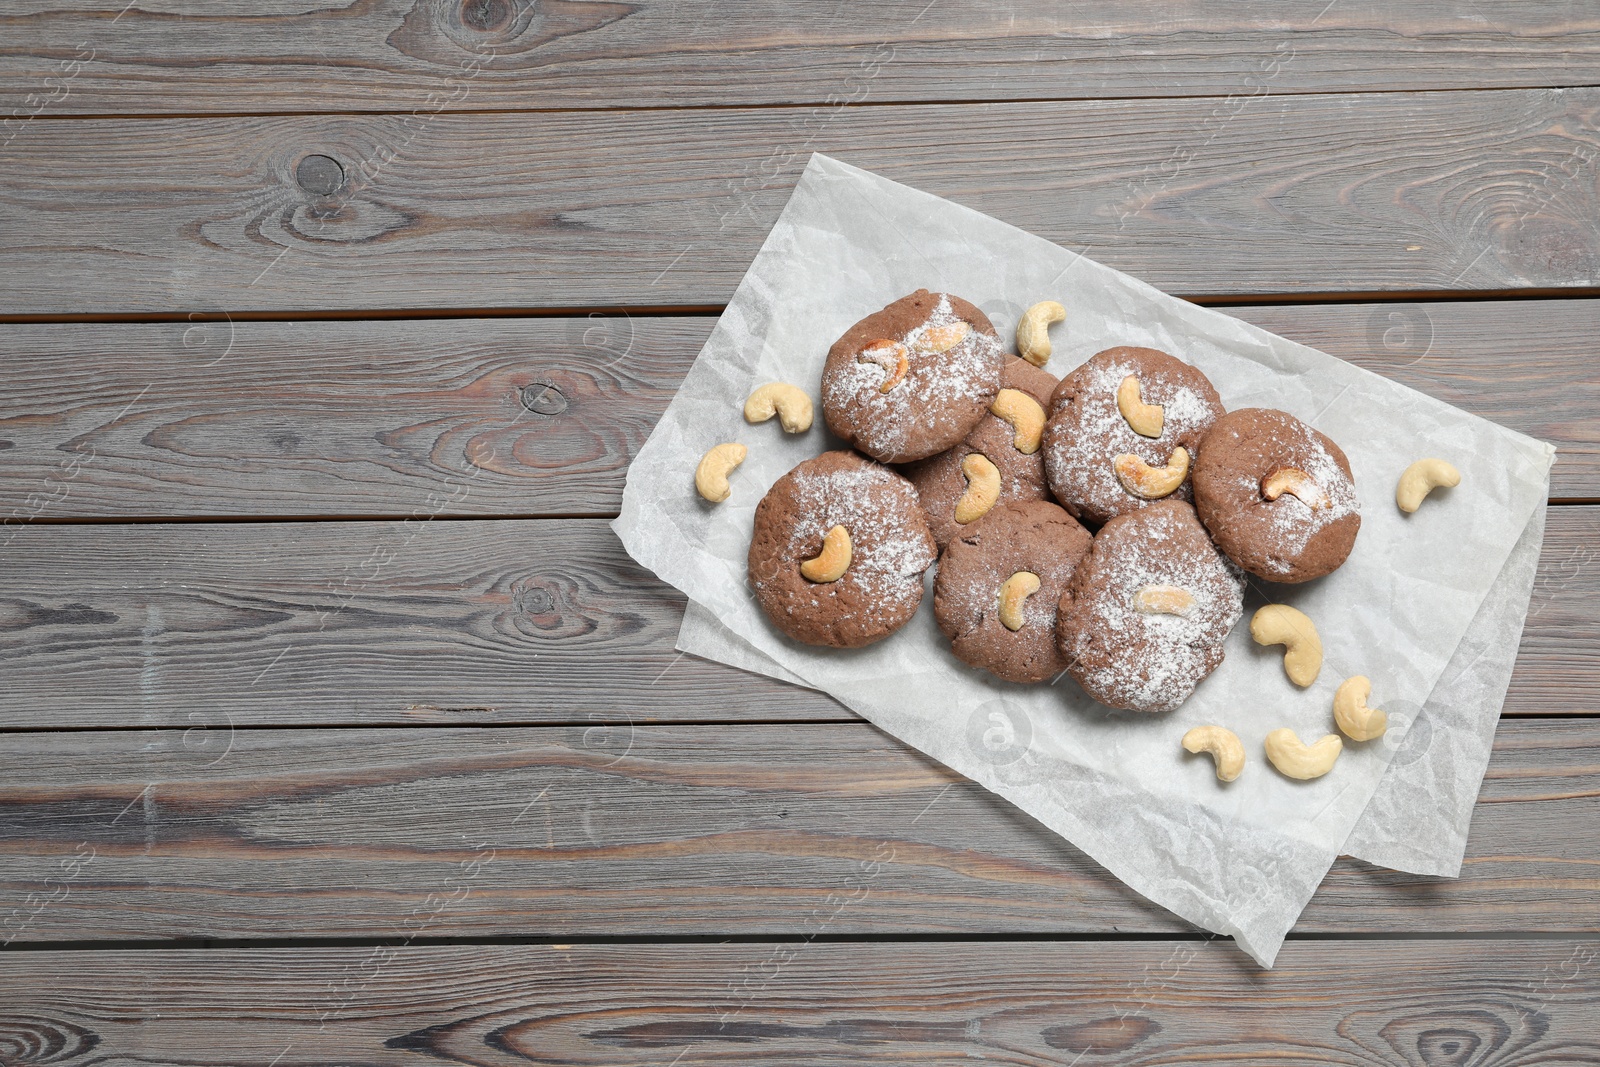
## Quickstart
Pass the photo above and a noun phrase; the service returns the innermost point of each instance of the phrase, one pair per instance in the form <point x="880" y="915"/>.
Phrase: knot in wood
<point x="543" y="398"/>
<point x="319" y="175"/>
<point x="485" y="15"/>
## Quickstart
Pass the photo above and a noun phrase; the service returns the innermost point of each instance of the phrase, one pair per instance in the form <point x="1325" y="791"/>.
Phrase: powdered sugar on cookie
<point x="890" y="549"/>
<point x="1087" y="430"/>
<point x="960" y="380"/>
<point x="1143" y="660"/>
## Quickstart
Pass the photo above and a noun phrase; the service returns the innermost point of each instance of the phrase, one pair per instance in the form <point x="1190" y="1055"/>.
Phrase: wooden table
<point x="340" y="730"/>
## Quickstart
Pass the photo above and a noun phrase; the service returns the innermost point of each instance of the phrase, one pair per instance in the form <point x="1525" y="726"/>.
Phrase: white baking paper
<point x="1240" y="859"/>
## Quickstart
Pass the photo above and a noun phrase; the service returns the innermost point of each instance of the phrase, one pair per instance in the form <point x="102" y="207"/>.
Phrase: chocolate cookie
<point x="1116" y="425"/>
<point x="1150" y="608"/>
<point x="912" y="379"/>
<point x="940" y="481"/>
<point x="1277" y="496"/>
<point x="999" y="586"/>
<point x="838" y="552"/>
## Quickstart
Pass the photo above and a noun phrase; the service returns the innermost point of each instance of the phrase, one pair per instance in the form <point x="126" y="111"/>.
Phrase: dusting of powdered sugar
<point x="1291" y="523"/>
<point x="1159" y="658"/>
<point x="934" y="381"/>
<point x="889" y="543"/>
<point x="1079" y="453"/>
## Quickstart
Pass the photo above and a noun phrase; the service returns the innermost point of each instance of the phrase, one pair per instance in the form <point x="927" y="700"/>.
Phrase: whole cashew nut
<point x="1296" y="759"/>
<point x="1420" y="479"/>
<point x="1033" y="331"/>
<point x="789" y="402"/>
<point x="1163" y="600"/>
<point x="1279" y="624"/>
<point x="1013" y="591"/>
<point x="1350" y="711"/>
<point x="1025" y="415"/>
<point x="711" y="474"/>
<point x="1143" y="419"/>
<point x="1298" y="484"/>
<point x="937" y="339"/>
<point x="983" y="488"/>
<point x="1224" y="746"/>
<point x="891" y="356"/>
<point x="831" y="563"/>
<point x="1152" y="483"/>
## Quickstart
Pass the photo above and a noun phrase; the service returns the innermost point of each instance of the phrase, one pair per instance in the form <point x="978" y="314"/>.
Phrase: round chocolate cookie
<point x="1150" y="608"/>
<point x="1009" y="568"/>
<point x="1277" y="496"/>
<point x="940" y="481"/>
<point x="912" y="379"/>
<point x="874" y="583"/>
<point x="1094" y="456"/>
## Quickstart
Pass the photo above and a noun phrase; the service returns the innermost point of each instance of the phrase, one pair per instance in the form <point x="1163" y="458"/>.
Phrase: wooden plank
<point x="317" y="624"/>
<point x="71" y="57"/>
<point x="396" y="622"/>
<point x="542" y="416"/>
<point x="570" y="833"/>
<point x="443" y="417"/>
<point x="937" y="1005"/>
<point x="665" y="209"/>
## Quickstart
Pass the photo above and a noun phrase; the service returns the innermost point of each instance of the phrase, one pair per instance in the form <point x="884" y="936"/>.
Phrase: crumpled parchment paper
<point x="1429" y="606"/>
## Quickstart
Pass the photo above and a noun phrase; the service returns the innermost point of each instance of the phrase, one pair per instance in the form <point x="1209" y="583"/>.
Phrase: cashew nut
<point x="1420" y="479"/>
<point x="1298" y="484"/>
<point x="831" y="562"/>
<point x="891" y="356"/>
<point x="1224" y="746"/>
<point x="1024" y="414"/>
<point x="1013" y="591"/>
<point x="1296" y="759"/>
<point x="1350" y="711"/>
<point x="983" y="488"/>
<point x="711" y="475"/>
<point x="1143" y="419"/>
<point x="1279" y="624"/>
<point x="1163" y="600"/>
<point x="789" y="402"/>
<point x="1152" y="483"/>
<point x="1033" y="331"/>
<point x="938" y="339"/>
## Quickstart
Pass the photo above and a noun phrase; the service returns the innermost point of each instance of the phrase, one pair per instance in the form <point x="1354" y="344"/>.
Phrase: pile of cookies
<point x="1099" y="525"/>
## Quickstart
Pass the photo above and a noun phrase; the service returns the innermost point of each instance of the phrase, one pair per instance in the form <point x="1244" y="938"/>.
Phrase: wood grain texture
<point x="616" y="831"/>
<point x="317" y="624"/>
<point x="542" y="416"/>
<point x="664" y="209"/>
<point x="68" y="57"/>
<point x="443" y="417"/>
<point x="1027" y="1003"/>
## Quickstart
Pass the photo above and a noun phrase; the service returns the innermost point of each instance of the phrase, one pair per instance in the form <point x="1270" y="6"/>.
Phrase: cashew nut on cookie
<point x="891" y="356"/>
<point x="1143" y="419"/>
<point x="1013" y="591"/>
<point x="983" y="488"/>
<point x="1298" y="484"/>
<point x="1025" y="415"/>
<point x="830" y="564"/>
<point x="1152" y="483"/>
